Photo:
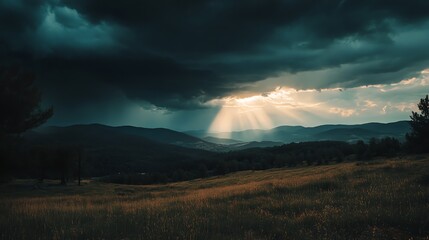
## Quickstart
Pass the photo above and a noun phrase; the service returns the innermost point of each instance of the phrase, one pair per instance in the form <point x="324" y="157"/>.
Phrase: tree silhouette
<point x="20" y="111"/>
<point x="418" y="139"/>
<point x="20" y="103"/>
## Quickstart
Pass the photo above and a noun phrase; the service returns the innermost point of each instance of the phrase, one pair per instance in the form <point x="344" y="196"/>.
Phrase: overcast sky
<point x="221" y="64"/>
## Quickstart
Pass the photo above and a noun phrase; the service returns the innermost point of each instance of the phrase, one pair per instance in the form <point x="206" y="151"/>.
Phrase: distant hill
<point x="159" y="135"/>
<point x="132" y="149"/>
<point x="225" y="141"/>
<point x="121" y="149"/>
<point x="162" y="135"/>
<point x="235" y="145"/>
<point x="254" y="144"/>
<point x="127" y="148"/>
<point x="340" y="132"/>
<point x="346" y="134"/>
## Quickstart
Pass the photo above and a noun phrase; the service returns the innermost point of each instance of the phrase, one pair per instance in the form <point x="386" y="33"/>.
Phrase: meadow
<point x="380" y="199"/>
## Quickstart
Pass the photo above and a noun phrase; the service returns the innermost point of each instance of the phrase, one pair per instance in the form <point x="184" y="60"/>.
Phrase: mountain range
<point x="102" y="135"/>
<point x="340" y="132"/>
<point x="139" y="149"/>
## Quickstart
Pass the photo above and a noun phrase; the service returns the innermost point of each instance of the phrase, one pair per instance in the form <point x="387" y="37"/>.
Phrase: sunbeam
<point x="290" y="106"/>
<point x="240" y="114"/>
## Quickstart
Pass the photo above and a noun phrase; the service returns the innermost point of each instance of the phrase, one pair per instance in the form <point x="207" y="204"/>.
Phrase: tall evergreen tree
<point x="418" y="139"/>
<point x="20" y="111"/>
<point x="20" y="103"/>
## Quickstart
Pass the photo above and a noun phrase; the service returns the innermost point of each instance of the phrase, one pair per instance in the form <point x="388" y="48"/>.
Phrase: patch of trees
<point x="57" y="162"/>
<point x="288" y="155"/>
<point x="63" y="162"/>
<point x="384" y="147"/>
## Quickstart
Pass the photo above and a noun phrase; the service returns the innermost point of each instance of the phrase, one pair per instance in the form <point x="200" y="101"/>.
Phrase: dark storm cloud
<point x="161" y="81"/>
<point x="179" y="54"/>
<point x="214" y="27"/>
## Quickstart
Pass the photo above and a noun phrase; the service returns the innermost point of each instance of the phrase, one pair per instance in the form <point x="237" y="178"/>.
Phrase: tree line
<point x="289" y="155"/>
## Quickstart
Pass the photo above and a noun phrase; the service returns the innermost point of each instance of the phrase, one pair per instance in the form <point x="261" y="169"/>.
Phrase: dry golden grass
<point x="379" y="200"/>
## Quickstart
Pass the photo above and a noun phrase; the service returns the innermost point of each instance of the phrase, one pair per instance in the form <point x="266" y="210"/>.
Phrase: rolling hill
<point x="340" y="132"/>
<point x="133" y="149"/>
<point x="159" y="135"/>
<point x="119" y="149"/>
<point x="224" y="141"/>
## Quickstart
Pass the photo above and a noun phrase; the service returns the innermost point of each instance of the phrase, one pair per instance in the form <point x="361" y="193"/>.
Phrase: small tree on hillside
<point x="418" y="139"/>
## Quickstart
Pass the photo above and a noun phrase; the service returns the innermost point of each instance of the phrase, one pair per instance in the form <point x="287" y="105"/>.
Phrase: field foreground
<point x="384" y="199"/>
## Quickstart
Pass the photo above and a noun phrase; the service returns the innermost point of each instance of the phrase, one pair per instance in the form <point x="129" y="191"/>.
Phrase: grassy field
<point x="383" y="199"/>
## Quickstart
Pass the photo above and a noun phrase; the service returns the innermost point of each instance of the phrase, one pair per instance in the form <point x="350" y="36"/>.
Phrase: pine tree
<point x="418" y="139"/>
<point x="20" y="111"/>
<point x="20" y="103"/>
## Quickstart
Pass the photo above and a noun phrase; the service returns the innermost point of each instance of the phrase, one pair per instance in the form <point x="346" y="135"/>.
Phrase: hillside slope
<point x="109" y="149"/>
<point x="159" y="135"/>
<point x="385" y="199"/>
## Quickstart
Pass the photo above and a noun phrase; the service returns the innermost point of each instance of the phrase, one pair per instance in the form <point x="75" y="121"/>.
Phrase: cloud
<point x="64" y="30"/>
<point x="183" y="54"/>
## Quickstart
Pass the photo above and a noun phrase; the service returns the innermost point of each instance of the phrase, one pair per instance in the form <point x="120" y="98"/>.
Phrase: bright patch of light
<point x="290" y="106"/>
<point x="245" y="113"/>
<point x="342" y="111"/>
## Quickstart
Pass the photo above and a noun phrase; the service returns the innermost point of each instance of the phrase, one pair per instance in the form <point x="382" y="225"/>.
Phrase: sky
<point x="221" y="65"/>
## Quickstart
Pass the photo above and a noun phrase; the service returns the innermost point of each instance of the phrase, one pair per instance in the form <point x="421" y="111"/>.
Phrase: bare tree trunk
<point x="79" y="168"/>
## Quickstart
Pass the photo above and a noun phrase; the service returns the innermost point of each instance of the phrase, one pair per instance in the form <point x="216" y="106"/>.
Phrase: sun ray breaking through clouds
<point x="366" y="103"/>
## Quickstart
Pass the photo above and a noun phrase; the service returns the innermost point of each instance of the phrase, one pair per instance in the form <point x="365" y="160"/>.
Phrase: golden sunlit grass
<point x="377" y="200"/>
